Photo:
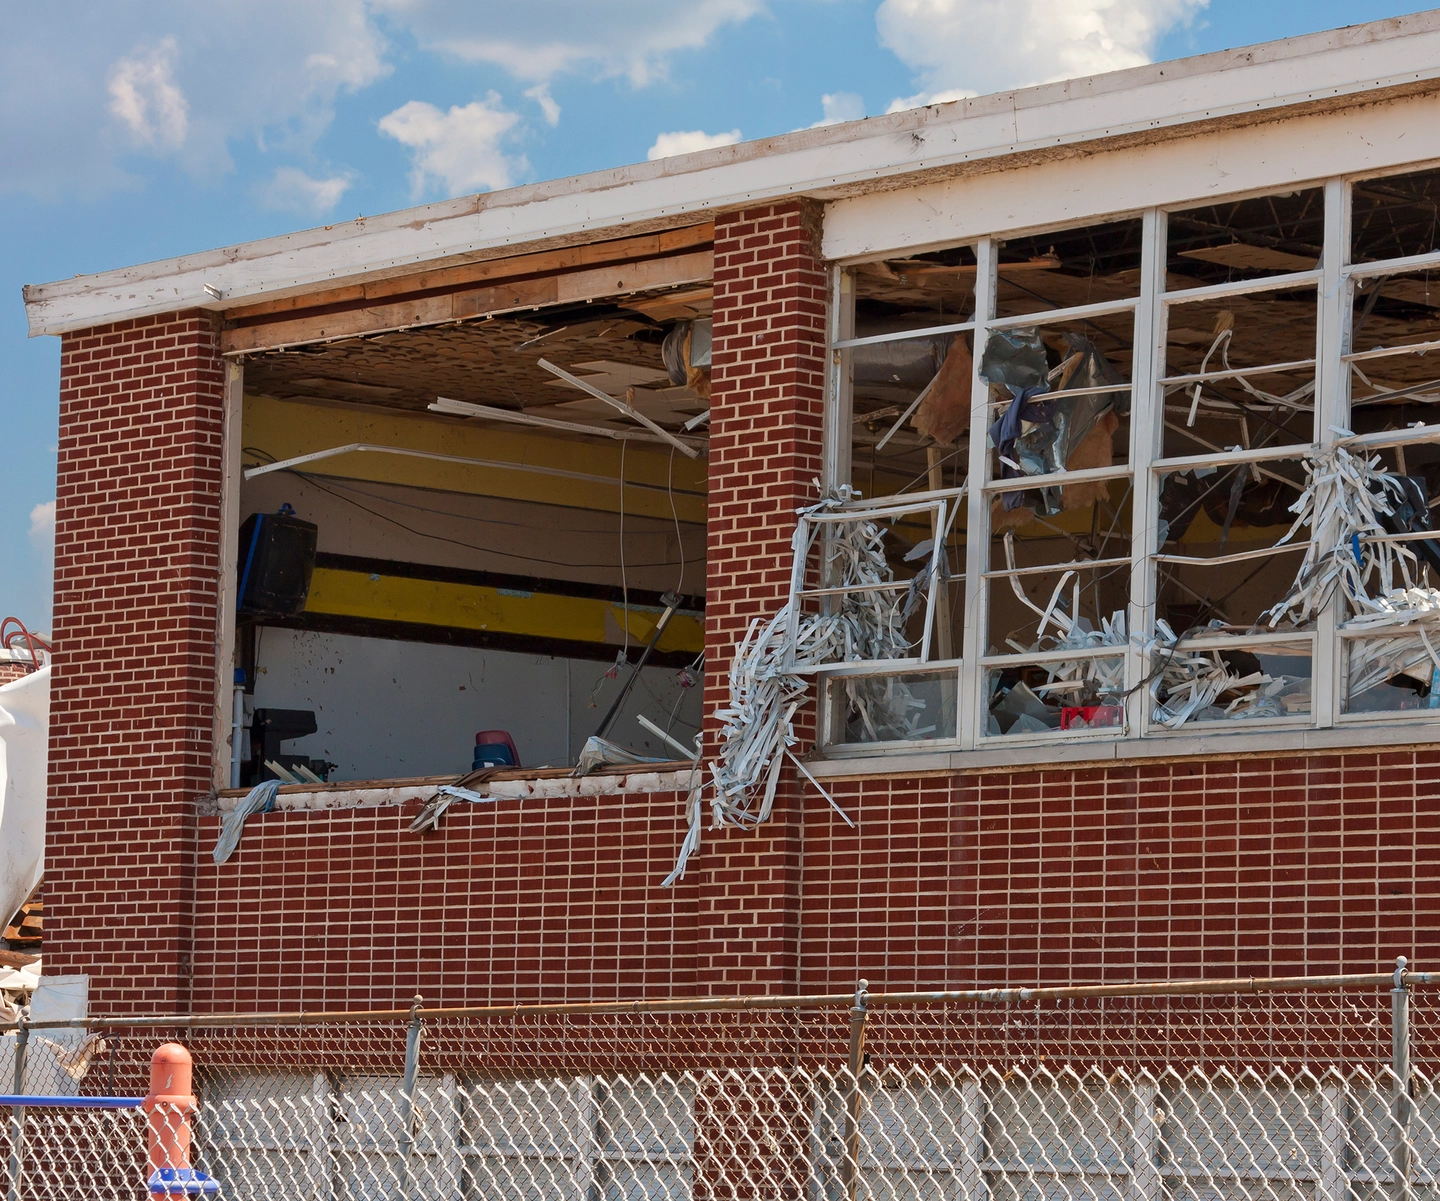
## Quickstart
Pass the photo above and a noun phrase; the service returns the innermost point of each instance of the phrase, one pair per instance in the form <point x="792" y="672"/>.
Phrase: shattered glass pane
<point x="915" y="706"/>
<point x="1246" y="340"/>
<point x="1037" y="609"/>
<point x="1088" y="264"/>
<point x="1058" y="401"/>
<point x="1214" y="519"/>
<point x="1395" y="673"/>
<point x="1064" y="696"/>
<point x="1203" y="680"/>
<point x="911" y="397"/>
<point x="1394" y="216"/>
<point x="1390" y="611"/>
<point x="1254" y="238"/>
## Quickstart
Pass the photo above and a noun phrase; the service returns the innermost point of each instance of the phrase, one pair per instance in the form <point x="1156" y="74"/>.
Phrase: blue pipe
<point x="71" y="1102"/>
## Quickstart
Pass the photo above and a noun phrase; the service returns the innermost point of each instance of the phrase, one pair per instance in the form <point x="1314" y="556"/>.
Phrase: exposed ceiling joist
<point x="570" y="288"/>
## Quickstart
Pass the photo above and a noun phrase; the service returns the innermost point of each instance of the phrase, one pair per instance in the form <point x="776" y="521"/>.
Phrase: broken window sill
<point x="520" y="784"/>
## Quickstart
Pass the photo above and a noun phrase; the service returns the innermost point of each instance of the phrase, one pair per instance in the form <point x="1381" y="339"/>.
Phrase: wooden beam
<point x="598" y="283"/>
<point x="569" y="258"/>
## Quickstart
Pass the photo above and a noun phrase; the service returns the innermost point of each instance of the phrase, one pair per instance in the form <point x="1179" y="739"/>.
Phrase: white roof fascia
<point x="853" y="156"/>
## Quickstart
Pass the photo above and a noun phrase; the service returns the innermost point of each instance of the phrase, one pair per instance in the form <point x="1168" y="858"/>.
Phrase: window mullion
<point x="1330" y="411"/>
<point x="977" y="513"/>
<point x="836" y="465"/>
<point x="839" y="409"/>
<point x="1146" y="422"/>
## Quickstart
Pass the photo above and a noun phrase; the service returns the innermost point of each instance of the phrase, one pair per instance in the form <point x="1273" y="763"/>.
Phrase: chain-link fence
<point x="1256" y="1090"/>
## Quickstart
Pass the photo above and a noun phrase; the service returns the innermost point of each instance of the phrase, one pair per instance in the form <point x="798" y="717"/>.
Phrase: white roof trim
<point x="856" y="155"/>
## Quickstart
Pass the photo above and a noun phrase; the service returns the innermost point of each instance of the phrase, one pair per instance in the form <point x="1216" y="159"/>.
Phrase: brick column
<point x="765" y="447"/>
<point x="136" y="591"/>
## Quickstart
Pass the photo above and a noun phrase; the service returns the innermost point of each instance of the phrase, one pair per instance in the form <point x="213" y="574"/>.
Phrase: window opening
<point x="1237" y="381"/>
<point x="1395" y="217"/>
<point x="503" y="513"/>
<point x="1250" y="239"/>
<point x="1387" y="471"/>
<point x="1056" y="368"/>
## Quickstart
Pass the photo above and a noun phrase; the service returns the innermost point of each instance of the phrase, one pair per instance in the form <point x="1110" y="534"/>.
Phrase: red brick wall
<point x="1198" y="868"/>
<point x="540" y="900"/>
<point x="1195" y="868"/>
<point x="766" y="411"/>
<point x="136" y="586"/>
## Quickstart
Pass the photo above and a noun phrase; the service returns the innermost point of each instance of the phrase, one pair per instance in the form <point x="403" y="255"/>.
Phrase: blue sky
<point x="133" y="130"/>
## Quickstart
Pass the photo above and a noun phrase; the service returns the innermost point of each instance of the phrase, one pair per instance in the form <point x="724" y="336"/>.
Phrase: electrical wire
<point x="504" y="554"/>
<point x="624" y="582"/>
<point x="451" y="513"/>
<point x="674" y="513"/>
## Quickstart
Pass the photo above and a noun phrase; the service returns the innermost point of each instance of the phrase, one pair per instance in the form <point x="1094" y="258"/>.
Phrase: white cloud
<point x="540" y="93"/>
<point x="146" y="99"/>
<point x="459" y="149"/>
<point x="83" y="88"/>
<point x="537" y="41"/>
<point x="838" y="107"/>
<point x="293" y="190"/>
<point x="687" y="141"/>
<point x="42" y="528"/>
<point x="920" y="99"/>
<point x="963" y="48"/>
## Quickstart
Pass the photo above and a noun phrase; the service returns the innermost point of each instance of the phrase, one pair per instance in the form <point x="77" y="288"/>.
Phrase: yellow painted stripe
<point x="497" y="610"/>
<point x="285" y="429"/>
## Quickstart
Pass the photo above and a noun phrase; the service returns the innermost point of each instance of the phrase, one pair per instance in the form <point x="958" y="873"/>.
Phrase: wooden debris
<point x="28" y="924"/>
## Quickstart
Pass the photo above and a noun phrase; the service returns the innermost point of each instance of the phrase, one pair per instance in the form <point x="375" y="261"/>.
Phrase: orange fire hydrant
<point x="170" y="1105"/>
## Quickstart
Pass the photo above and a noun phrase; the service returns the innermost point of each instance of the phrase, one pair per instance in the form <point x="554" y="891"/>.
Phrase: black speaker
<point x="277" y="557"/>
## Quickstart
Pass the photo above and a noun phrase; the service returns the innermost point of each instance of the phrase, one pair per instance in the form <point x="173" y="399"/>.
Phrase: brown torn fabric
<point x="944" y="414"/>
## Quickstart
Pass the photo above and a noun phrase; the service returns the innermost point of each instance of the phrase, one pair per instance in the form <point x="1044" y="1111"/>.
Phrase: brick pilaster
<point x="137" y="538"/>
<point x="765" y="446"/>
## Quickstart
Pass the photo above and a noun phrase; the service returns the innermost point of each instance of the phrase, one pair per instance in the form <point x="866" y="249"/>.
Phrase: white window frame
<point x="1334" y="279"/>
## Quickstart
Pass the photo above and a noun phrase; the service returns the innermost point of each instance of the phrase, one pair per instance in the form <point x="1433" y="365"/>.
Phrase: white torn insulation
<point x="768" y="675"/>
<point x="1089" y="676"/>
<point x="1345" y="505"/>
<point x="1192" y="680"/>
<point x="1388" y="593"/>
<point x="1342" y="504"/>
<point x="1300" y="398"/>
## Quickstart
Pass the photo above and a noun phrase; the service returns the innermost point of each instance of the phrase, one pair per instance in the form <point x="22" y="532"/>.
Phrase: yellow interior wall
<point x="285" y="429"/>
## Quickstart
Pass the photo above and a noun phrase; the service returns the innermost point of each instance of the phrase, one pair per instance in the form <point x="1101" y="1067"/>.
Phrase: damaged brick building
<point x="367" y="506"/>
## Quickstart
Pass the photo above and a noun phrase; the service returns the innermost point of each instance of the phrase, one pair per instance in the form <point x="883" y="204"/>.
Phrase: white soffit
<point x="872" y="153"/>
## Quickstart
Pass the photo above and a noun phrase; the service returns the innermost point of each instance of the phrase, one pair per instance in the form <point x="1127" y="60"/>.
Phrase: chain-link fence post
<point x="1401" y="1105"/>
<point x="407" y="1094"/>
<point x="17" y="1112"/>
<point x="854" y="1098"/>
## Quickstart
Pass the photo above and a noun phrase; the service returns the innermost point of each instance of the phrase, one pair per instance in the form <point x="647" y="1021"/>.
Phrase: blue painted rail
<point x="43" y="1102"/>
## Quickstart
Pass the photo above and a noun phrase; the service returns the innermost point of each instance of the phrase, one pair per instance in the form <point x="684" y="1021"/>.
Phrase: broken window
<point x="506" y="524"/>
<point x="879" y="592"/>
<point x="908" y="362"/>
<point x="1209" y="468"/>
<point x="1390" y="651"/>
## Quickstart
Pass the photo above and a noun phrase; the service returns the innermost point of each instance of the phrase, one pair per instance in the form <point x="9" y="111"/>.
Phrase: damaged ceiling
<point x="495" y="361"/>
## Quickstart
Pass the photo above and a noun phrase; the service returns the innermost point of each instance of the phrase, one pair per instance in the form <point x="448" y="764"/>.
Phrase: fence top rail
<point x="978" y="996"/>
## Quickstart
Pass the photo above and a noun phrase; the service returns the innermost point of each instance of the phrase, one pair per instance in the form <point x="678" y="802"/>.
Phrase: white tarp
<point x="24" y="746"/>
